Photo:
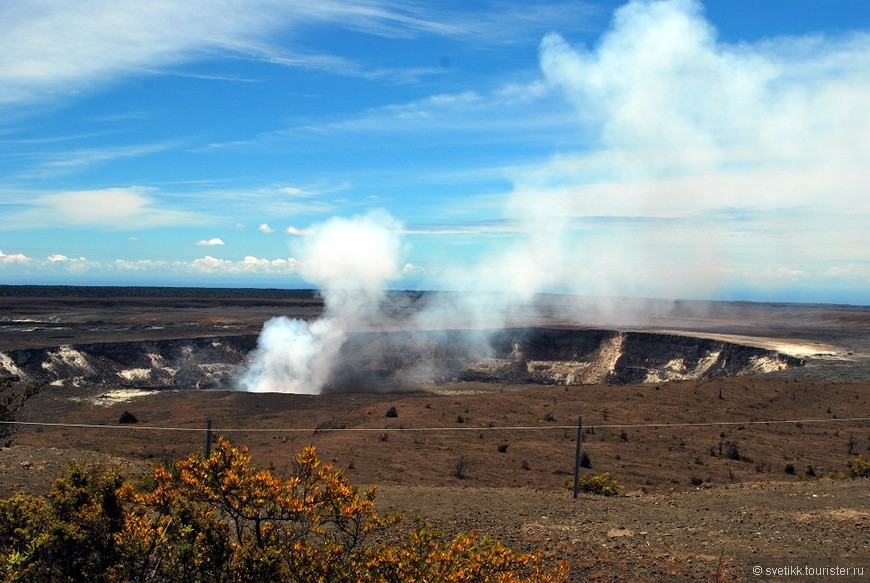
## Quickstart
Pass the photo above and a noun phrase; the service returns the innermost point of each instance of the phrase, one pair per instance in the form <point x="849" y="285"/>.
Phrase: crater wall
<point x="390" y="360"/>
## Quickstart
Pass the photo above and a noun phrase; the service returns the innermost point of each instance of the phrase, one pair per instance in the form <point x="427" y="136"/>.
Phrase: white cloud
<point x="265" y="228"/>
<point x="53" y="263"/>
<point x="70" y="264"/>
<point x="140" y="264"/>
<point x="250" y="264"/>
<point x="299" y="232"/>
<point x="411" y="269"/>
<point x="215" y="241"/>
<point x="785" y="274"/>
<point x="850" y="272"/>
<point x="15" y="258"/>
<point x="115" y="208"/>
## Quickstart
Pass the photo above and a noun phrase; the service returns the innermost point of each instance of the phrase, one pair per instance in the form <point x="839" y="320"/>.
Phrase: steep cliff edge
<point x="373" y="361"/>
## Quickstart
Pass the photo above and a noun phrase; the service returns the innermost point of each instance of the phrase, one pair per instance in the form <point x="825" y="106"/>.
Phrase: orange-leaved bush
<point x="222" y="518"/>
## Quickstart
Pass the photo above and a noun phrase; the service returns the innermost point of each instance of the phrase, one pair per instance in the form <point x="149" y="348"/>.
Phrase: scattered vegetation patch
<point x="731" y="451"/>
<point x="391" y="412"/>
<point x="599" y="484"/>
<point x="859" y="467"/>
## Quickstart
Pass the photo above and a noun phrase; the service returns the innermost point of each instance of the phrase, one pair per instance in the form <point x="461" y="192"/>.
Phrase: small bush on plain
<point x="600" y="484"/>
<point x="859" y="467"/>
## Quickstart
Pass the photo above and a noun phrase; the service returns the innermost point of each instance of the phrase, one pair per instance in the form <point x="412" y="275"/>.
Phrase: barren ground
<point x="686" y="503"/>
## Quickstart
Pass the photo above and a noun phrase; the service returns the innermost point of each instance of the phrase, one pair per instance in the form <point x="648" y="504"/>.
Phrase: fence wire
<point x="136" y="427"/>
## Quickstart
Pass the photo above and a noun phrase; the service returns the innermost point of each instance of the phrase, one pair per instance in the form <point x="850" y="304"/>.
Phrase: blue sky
<point x="660" y="149"/>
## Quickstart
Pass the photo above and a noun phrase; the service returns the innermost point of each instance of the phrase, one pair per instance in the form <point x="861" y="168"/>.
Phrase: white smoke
<point x="351" y="260"/>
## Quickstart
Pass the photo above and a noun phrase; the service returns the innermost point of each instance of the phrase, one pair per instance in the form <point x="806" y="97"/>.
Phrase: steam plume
<point x="351" y="260"/>
<point x="689" y="140"/>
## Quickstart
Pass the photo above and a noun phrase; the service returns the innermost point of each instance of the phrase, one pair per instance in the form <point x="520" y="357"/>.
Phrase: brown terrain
<point x="722" y="421"/>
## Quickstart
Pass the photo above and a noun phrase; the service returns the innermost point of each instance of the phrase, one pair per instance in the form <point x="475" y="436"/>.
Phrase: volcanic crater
<point x="482" y="433"/>
<point x="380" y="361"/>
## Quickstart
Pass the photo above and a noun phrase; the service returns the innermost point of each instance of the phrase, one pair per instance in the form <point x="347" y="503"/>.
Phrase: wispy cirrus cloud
<point x="345" y="66"/>
<point x="50" y="48"/>
<point x="516" y="112"/>
<point x="492" y="227"/>
<point x="65" y="162"/>
<point x="279" y="200"/>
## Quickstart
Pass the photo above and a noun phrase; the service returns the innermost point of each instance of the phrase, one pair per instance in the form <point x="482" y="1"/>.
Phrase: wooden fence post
<point x="577" y="456"/>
